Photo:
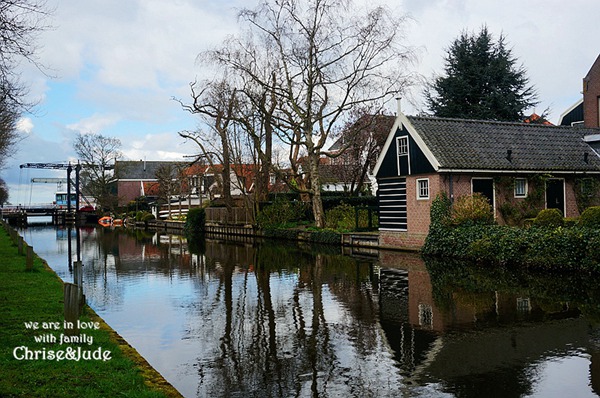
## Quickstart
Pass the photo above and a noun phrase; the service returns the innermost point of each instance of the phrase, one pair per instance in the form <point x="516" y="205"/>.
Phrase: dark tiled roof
<point x="141" y="170"/>
<point x="483" y="145"/>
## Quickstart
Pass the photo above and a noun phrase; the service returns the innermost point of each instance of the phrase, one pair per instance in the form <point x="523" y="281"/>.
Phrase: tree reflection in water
<point x="293" y="323"/>
<point x="270" y="319"/>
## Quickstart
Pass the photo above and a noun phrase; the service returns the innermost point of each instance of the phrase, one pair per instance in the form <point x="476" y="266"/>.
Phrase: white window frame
<point x="402" y="145"/>
<point x="526" y="188"/>
<point x="419" y="195"/>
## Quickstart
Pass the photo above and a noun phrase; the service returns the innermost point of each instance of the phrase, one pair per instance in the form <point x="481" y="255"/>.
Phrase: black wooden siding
<point x="418" y="161"/>
<point x="391" y="196"/>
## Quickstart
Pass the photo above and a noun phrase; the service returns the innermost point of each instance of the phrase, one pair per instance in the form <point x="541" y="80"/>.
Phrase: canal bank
<point x="42" y="356"/>
<point x="205" y="312"/>
<point x="363" y="242"/>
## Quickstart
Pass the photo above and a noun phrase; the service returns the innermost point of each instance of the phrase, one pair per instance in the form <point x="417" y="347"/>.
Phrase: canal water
<point x="273" y="319"/>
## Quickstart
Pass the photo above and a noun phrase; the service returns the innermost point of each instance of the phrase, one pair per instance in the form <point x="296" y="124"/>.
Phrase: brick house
<point x="586" y="111"/>
<point x="508" y="163"/>
<point x="138" y="178"/>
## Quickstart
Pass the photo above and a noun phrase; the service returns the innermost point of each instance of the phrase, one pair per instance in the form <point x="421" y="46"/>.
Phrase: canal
<point x="273" y="319"/>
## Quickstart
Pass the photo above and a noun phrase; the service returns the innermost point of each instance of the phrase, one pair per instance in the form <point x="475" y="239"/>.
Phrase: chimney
<point x="399" y="105"/>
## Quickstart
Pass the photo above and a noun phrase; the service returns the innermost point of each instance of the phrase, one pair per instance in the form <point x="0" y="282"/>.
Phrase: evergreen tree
<point x="481" y="81"/>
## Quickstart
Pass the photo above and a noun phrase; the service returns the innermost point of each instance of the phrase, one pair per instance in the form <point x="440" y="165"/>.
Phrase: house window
<point x="423" y="189"/>
<point x="402" y="143"/>
<point x="520" y="187"/>
<point x="523" y="304"/>
<point x="588" y="188"/>
<point x="403" y="158"/>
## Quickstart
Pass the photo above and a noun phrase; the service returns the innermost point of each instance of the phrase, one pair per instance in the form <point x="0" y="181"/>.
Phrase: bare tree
<point x="358" y="146"/>
<point x="215" y="103"/>
<point x="317" y="59"/>
<point x="97" y="155"/>
<point x="3" y="192"/>
<point x="171" y="182"/>
<point x="8" y="133"/>
<point x="20" y="23"/>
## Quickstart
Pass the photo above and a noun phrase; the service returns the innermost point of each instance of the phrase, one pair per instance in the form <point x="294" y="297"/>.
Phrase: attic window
<point x="402" y="143"/>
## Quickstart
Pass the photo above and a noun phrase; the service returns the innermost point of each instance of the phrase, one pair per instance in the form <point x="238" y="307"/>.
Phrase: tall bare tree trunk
<point x="315" y="187"/>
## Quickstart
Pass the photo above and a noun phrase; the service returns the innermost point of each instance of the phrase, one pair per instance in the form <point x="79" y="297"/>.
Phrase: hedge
<point x="558" y="248"/>
<point x="545" y="245"/>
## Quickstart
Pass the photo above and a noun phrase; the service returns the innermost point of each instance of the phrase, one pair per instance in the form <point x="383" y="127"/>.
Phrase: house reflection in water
<point x="318" y="321"/>
<point x="476" y="341"/>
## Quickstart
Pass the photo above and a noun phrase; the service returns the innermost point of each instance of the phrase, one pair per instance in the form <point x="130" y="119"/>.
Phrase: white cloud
<point x="25" y="125"/>
<point x="94" y="124"/>
<point x="161" y="146"/>
<point x="122" y="61"/>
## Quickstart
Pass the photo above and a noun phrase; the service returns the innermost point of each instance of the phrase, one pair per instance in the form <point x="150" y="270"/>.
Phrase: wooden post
<point x="20" y="244"/>
<point x="73" y="305"/>
<point x="78" y="273"/>
<point x="29" y="258"/>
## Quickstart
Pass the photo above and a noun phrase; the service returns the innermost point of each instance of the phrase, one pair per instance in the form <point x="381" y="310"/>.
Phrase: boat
<point x="106" y="221"/>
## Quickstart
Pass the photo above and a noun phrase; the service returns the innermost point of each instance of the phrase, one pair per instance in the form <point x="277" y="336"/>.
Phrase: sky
<point x="113" y="68"/>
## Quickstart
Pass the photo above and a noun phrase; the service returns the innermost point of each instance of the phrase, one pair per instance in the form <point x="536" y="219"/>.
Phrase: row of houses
<point x="417" y="158"/>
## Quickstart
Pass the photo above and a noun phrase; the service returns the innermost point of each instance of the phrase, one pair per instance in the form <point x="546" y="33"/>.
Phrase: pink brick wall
<point x="128" y="191"/>
<point x="418" y="219"/>
<point x="591" y="95"/>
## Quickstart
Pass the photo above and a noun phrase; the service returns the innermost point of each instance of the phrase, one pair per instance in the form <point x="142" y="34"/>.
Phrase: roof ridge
<point x="482" y="121"/>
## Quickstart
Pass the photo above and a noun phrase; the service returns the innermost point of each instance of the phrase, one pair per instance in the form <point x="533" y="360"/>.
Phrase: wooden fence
<point x="237" y="216"/>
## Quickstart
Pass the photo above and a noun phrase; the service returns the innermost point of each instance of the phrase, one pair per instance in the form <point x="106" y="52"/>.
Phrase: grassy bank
<point x="108" y="366"/>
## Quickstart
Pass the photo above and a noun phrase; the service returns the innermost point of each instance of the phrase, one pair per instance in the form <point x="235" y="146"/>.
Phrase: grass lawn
<point x="37" y="296"/>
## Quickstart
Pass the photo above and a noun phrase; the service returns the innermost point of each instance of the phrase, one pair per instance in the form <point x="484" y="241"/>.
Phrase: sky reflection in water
<point x="275" y="320"/>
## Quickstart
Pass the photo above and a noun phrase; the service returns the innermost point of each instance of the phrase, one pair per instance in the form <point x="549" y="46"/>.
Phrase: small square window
<point x="588" y="187"/>
<point x="520" y="187"/>
<point x="423" y="189"/>
<point x="402" y="146"/>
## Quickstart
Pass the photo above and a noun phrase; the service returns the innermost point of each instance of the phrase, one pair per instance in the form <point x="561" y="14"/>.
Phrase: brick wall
<point x="570" y="199"/>
<point x="401" y="240"/>
<point x="128" y="191"/>
<point x="591" y="95"/>
<point x="418" y="210"/>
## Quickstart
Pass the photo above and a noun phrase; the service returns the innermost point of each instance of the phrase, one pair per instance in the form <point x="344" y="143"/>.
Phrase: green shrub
<point x="439" y="227"/>
<point x="556" y="248"/>
<point x="441" y="210"/>
<point x="334" y="200"/>
<point x="340" y="217"/>
<point x="282" y="212"/>
<point x="195" y="221"/>
<point x="571" y="221"/>
<point x="291" y="234"/>
<point x="326" y="236"/>
<point x="472" y="209"/>
<point x="590" y="217"/>
<point x="549" y="218"/>
<point x="148" y="217"/>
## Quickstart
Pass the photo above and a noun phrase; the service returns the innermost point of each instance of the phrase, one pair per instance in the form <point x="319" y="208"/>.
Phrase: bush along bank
<point x="549" y="243"/>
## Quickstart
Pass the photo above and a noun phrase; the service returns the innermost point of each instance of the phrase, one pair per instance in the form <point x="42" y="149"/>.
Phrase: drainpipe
<point x="451" y="184"/>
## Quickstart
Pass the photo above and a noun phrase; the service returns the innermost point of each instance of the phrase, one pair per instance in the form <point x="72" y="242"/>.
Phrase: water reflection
<point x="272" y="319"/>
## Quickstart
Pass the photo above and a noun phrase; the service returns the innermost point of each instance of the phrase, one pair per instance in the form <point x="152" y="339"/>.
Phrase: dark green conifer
<point x="481" y="80"/>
